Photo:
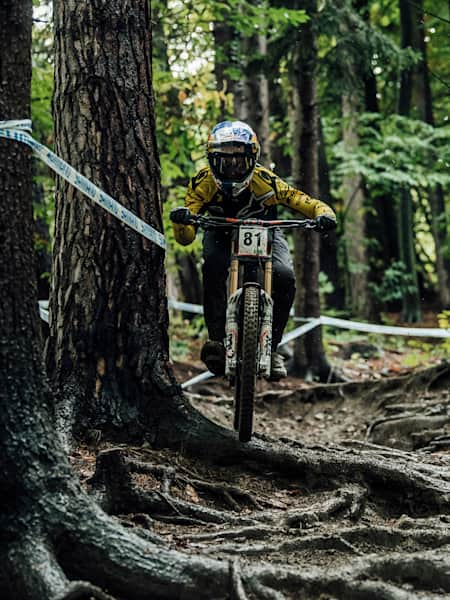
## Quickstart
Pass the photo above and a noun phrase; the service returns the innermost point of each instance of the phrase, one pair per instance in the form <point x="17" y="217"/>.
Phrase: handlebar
<point x="232" y="222"/>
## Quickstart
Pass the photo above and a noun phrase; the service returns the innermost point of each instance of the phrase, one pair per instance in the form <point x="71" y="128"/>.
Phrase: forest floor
<point x="347" y="538"/>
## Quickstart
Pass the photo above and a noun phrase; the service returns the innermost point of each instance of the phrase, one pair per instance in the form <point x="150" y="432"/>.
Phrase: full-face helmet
<point x="232" y="151"/>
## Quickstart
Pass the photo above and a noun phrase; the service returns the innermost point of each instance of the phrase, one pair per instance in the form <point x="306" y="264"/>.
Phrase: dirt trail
<point x="344" y="532"/>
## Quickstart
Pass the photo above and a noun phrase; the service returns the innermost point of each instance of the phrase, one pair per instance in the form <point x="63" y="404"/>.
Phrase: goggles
<point x="232" y="163"/>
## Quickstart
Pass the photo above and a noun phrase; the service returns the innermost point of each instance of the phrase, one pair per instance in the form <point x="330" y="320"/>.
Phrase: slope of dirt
<point x="345" y="535"/>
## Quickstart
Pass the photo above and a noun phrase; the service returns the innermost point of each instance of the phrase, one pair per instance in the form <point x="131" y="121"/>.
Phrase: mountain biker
<point x="234" y="184"/>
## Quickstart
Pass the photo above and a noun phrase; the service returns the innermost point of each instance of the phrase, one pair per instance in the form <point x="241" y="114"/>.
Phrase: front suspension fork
<point x="232" y="322"/>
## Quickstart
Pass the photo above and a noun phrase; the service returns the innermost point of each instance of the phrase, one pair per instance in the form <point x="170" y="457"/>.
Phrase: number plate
<point x="253" y="241"/>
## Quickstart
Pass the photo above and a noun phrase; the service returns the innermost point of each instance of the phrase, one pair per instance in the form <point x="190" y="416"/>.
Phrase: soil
<point x="318" y="417"/>
<point x="347" y="540"/>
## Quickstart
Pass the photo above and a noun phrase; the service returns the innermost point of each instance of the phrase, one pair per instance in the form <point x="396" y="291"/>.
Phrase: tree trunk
<point x="405" y="220"/>
<point x="189" y="278"/>
<point x="424" y="102"/>
<point x="257" y="109"/>
<point x="108" y="351"/>
<point x="308" y="351"/>
<point x="225" y="58"/>
<point x="381" y="220"/>
<point x="328" y="247"/>
<point x="355" y="220"/>
<point x="251" y="91"/>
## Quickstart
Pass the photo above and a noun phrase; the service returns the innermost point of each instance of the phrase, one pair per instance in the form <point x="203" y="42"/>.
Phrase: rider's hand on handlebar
<point x="325" y="223"/>
<point x="180" y="215"/>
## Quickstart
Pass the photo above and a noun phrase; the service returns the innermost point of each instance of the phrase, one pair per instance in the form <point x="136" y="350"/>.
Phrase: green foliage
<point x="41" y="94"/>
<point x="185" y="335"/>
<point x="394" y="152"/>
<point x="325" y="287"/>
<point x="396" y="283"/>
<point x="444" y="323"/>
<point x="249" y="17"/>
<point x="352" y="43"/>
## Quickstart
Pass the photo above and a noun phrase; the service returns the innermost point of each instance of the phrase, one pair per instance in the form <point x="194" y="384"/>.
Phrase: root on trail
<point x="354" y="540"/>
<point x="115" y="488"/>
<point x="92" y="547"/>
<point x="348" y="496"/>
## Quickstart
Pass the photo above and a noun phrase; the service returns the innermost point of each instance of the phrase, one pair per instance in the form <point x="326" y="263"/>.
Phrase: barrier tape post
<point x="18" y="131"/>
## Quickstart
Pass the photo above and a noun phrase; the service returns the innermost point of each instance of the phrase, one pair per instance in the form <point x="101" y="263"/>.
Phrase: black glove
<point x="325" y="223"/>
<point x="180" y="215"/>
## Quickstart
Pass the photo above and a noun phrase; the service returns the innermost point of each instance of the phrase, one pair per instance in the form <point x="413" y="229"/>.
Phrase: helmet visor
<point x="232" y="164"/>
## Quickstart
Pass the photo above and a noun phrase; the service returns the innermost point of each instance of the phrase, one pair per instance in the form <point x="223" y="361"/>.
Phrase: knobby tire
<point x="246" y="380"/>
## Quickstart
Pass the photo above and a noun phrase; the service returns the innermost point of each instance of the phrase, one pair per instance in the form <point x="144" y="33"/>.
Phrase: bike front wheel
<point x="246" y="380"/>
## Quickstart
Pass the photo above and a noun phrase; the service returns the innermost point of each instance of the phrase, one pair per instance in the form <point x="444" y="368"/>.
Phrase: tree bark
<point x="436" y="198"/>
<point x="405" y="221"/>
<point x="225" y="44"/>
<point x="308" y="351"/>
<point x="257" y="110"/>
<point x="251" y="91"/>
<point x="108" y="351"/>
<point x="328" y="247"/>
<point x="381" y="220"/>
<point x="355" y="219"/>
<point x="190" y="280"/>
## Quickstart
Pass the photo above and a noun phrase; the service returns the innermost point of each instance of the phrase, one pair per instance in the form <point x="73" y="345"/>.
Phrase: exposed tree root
<point x="83" y="543"/>
<point x="83" y="589"/>
<point x="171" y="475"/>
<point x="378" y="391"/>
<point x="87" y="553"/>
<point x="414" y="484"/>
<point x="391" y="577"/>
<point x="237" y="588"/>
<point x="341" y="539"/>
<point x="116" y="491"/>
<point x="113" y="480"/>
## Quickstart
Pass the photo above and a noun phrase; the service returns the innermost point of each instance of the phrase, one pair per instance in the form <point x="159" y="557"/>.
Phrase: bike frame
<point x="249" y="317"/>
<point x="240" y="263"/>
<point x="260" y="257"/>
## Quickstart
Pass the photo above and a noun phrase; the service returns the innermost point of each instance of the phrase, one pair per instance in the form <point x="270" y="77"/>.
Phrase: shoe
<point x="213" y="355"/>
<point x="277" y="368"/>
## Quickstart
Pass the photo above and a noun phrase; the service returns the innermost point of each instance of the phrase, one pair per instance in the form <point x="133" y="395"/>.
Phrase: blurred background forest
<point x="379" y="81"/>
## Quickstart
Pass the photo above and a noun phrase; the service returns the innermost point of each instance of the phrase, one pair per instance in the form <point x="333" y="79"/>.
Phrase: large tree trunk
<point x="405" y="216"/>
<point x="308" y="351"/>
<point x="108" y="352"/>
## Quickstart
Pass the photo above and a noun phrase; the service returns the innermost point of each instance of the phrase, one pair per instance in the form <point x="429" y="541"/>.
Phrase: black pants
<point x="216" y="255"/>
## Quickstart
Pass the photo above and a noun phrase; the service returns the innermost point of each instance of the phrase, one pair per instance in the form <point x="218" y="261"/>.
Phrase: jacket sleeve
<point x="194" y="201"/>
<point x="301" y="202"/>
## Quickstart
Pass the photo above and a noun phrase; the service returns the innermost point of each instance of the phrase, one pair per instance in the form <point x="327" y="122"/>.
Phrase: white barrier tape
<point x="295" y="333"/>
<point x="185" y="306"/>
<point x="43" y="313"/>
<point x="16" y="130"/>
<point x="341" y="323"/>
<point x="386" y="329"/>
<point x="197" y="379"/>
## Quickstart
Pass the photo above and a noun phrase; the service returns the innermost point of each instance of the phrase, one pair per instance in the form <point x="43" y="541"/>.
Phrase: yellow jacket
<point x="265" y="191"/>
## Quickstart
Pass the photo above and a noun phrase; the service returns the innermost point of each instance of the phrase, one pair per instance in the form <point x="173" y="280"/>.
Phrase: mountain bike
<point x="249" y="316"/>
